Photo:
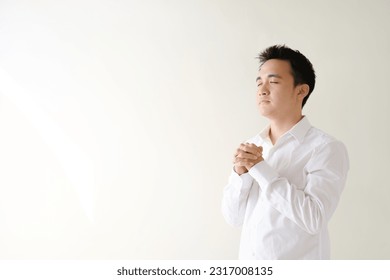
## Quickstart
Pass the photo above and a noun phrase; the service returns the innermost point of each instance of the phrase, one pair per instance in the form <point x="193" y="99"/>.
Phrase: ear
<point x="303" y="91"/>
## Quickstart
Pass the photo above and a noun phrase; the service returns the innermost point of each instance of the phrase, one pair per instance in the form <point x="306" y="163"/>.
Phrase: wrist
<point x="240" y="170"/>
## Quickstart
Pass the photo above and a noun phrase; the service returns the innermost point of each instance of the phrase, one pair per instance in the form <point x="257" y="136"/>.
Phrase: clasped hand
<point x="246" y="156"/>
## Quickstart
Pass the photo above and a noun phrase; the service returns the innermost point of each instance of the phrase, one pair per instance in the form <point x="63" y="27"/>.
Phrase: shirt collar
<point x="264" y="134"/>
<point x="298" y="131"/>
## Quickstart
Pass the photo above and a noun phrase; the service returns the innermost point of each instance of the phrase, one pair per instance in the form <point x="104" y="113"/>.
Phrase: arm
<point x="311" y="207"/>
<point x="235" y="197"/>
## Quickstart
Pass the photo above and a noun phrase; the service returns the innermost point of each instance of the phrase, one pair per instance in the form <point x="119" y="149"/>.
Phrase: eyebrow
<point x="270" y="76"/>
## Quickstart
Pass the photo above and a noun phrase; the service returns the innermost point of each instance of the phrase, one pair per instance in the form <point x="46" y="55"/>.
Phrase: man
<point x="287" y="180"/>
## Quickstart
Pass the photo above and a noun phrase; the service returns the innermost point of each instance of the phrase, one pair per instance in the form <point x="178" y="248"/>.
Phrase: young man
<point x="287" y="180"/>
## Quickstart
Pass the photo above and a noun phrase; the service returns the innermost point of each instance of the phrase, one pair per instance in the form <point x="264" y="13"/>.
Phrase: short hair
<point x="302" y="69"/>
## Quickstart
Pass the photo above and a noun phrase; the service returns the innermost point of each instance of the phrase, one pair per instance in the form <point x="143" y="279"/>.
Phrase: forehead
<point x="275" y="66"/>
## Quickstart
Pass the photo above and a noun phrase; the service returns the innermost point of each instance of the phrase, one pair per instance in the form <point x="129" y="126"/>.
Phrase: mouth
<point x="264" y="101"/>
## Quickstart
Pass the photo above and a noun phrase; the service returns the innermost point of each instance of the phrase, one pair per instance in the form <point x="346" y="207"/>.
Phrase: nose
<point x="263" y="90"/>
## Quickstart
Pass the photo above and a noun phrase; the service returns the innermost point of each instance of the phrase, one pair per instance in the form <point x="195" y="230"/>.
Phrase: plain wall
<point x="118" y="121"/>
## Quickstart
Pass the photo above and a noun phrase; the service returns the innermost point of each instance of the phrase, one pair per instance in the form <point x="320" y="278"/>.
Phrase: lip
<point x="265" y="101"/>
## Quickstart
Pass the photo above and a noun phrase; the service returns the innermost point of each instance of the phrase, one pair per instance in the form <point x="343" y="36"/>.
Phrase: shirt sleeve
<point x="312" y="205"/>
<point x="235" y="196"/>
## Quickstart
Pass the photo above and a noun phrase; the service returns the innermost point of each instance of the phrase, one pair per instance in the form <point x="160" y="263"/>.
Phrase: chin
<point x="263" y="112"/>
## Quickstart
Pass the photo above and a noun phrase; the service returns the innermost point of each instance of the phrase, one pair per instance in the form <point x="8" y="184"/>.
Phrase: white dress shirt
<point x="284" y="202"/>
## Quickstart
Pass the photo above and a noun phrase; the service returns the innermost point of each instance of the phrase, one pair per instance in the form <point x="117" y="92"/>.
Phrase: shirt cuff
<point x="244" y="180"/>
<point x="264" y="174"/>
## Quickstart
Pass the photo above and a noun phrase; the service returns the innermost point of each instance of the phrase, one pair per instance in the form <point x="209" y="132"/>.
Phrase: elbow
<point x="233" y="222"/>
<point x="314" y="230"/>
<point x="231" y="218"/>
<point x="316" y="223"/>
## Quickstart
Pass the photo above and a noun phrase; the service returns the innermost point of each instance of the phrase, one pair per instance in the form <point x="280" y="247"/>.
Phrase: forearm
<point x="235" y="197"/>
<point x="309" y="206"/>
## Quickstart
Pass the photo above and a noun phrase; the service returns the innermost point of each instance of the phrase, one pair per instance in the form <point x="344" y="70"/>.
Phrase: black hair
<point x="302" y="69"/>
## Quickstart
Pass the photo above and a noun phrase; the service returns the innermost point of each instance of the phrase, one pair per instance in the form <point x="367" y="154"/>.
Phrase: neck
<point x="281" y="126"/>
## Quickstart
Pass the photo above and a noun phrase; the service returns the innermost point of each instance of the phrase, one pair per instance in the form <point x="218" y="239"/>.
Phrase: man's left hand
<point x="255" y="150"/>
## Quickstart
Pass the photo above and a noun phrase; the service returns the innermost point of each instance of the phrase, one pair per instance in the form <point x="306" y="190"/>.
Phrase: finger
<point x="240" y="163"/>
<point x="237" y="152"/>
<point x="245" y="155"/>
<point x="253" y="145"/>
<point x="253" y="149"/>
<point x="246" y="161"/>
<point x="260" y="148"/>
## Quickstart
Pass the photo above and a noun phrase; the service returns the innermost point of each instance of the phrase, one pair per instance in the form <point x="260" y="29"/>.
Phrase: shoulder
<point x="326" y="145"/>
<point x="317" y="138"/>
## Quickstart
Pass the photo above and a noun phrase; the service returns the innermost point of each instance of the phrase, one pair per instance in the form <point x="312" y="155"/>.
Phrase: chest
<point x="289" y="160"/>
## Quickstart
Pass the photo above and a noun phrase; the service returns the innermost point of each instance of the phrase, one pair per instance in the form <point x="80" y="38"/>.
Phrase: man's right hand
<point x="243" y="156"/>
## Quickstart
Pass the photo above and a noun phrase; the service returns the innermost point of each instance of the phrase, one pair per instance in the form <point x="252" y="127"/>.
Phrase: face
<point x="277" y="97"/>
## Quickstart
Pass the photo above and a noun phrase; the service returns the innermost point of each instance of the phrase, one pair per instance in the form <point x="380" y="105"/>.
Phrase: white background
<point x="118" y="121"/>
